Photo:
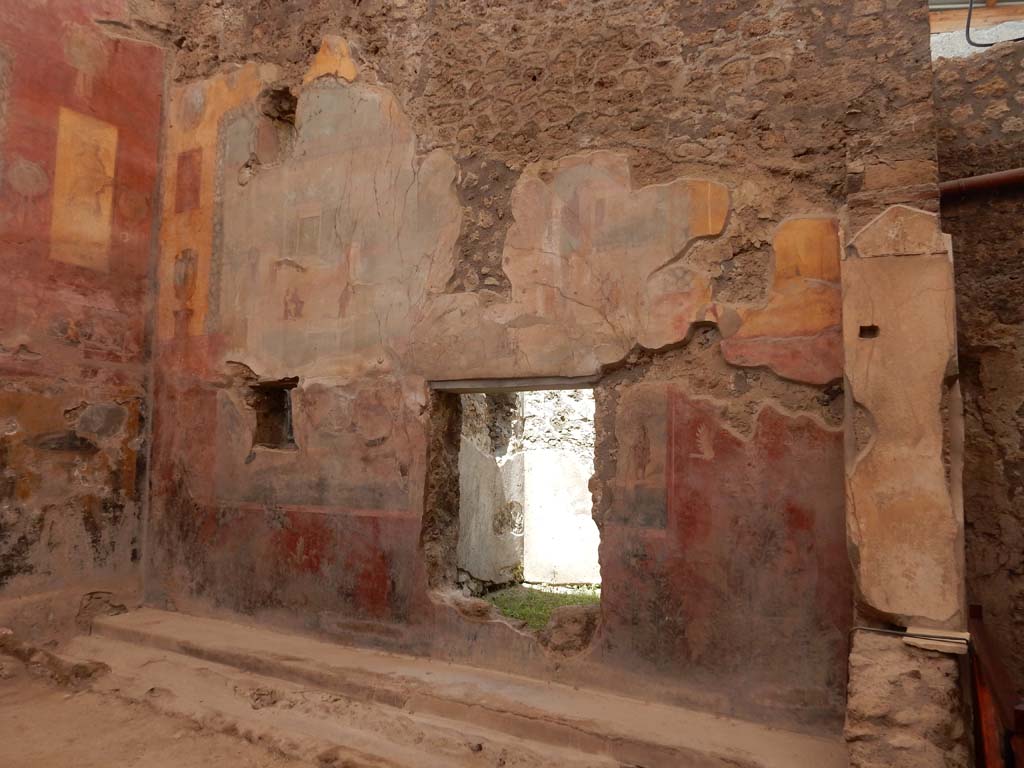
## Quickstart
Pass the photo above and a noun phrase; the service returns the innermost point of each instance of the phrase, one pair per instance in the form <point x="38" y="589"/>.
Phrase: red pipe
<point x="985" y="181"/>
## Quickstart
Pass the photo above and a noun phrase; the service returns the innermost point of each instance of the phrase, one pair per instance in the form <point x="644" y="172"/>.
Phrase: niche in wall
<point x="272" y="401"/>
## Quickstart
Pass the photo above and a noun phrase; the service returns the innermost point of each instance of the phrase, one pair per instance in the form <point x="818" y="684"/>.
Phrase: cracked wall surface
<point x="686" y="482"/>
<point x="80" y="122"/>
<point x="332" y="249"/>
<point x="370" y="196"/>
<point x="677" y="87"/>
<point x="444" y="193"/>
<point x="904" y="464"/>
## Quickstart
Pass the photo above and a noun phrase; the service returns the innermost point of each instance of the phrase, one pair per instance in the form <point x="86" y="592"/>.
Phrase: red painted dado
<point x="305" y="542"/>
<point x="746" y="560"/>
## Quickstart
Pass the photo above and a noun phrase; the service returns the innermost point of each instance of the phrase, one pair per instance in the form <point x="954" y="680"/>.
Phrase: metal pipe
<point x="996" y="180"/>
<point x="935" y="7"/>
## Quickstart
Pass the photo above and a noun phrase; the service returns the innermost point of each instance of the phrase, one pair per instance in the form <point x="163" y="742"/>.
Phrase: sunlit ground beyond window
<point x="534" y="604"/>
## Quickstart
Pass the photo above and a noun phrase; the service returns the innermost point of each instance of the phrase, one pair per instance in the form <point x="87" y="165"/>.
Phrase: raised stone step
<point x="316" y="726"/>
<point x="459" y="699"/>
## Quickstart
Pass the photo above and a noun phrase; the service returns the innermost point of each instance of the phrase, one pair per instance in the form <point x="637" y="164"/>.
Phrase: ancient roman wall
<point x="377" y="196"/>
<point x="981" y="130"/>
<point x="80" y="123"/>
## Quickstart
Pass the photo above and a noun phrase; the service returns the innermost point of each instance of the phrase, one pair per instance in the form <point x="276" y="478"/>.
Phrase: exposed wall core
<point x="331" y="259"/>
<point x="272" y="402"/>
<point x="80" y="126"/>
<point x="447" y="190"/>
<point x="981" y="130"/>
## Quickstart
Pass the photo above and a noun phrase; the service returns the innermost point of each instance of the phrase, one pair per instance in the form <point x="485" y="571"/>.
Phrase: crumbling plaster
<point x="333" y="253"/>
<point x="903" y="490"/>
<point x="80" y="124"/>
<point x="445" y="191"/>
<point x="906" y="706"/>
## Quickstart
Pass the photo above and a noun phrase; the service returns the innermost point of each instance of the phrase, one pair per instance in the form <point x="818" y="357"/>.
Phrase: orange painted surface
<point x="334" y="59"/>
<point x="797" y="332"/>
<point x="194" y="116"/>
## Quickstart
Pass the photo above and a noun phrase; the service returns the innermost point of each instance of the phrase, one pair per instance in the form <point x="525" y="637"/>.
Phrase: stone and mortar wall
<point x="457" y="194"/>
<point x="906" y="706"/>
<point x="758" y="91"/>
<point x="446" y="191"/>
<point x="80" y="124"/>
<point x="903" y="432"/>
<point x="981" y="130"/>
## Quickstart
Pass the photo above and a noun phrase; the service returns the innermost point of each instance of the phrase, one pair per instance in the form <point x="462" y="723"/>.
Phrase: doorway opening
<point x="527" y="541"/>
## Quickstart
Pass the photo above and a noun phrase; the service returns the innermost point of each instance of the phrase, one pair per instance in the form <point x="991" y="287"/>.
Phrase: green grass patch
<point x="534" y="606"/>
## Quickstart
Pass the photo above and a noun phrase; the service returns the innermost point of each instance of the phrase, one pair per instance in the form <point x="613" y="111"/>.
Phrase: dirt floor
<point x="148" y="689"/>
<point x="43" y="725"/>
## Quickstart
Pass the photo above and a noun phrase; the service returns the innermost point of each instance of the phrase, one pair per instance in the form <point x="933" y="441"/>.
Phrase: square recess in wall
<point x="272" y="401"/>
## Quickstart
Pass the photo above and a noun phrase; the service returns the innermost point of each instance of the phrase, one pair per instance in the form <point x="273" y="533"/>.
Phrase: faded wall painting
<point x="331" y="258"/>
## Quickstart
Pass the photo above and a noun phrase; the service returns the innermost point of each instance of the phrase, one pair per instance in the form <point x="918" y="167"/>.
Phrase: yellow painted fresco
<point x="194" y="115"/>
<point x="807" y="248"/>
<point x="333" y="58"/>
<point x="804" y="298"/>
<point x="83" y="190"/>
<point x="796" y="332"/>
<point x="709" y="207"/>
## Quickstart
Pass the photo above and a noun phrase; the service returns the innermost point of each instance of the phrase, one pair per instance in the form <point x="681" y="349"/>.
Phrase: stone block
<point x="899" y="336"/>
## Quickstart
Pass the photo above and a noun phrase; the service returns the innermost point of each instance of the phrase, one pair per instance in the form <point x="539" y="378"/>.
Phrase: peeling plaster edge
<point x="755" y="419"/>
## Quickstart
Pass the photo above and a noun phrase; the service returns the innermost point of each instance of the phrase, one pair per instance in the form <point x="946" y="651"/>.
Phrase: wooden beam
<point x="493" y="386"/>
<point x="984" y="16"/>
